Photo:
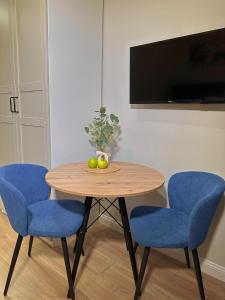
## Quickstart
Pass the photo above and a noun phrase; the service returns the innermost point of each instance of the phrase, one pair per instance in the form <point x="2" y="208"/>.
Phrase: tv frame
<point x="173" y="101"/>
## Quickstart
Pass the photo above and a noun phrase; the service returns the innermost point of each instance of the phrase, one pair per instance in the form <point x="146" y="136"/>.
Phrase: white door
<point x="32" y="80"/>
<point x="23" y="82"/>
<point x="9" y="150"/>
<point x="23" y="74"/>
<point x="9" y="134"/>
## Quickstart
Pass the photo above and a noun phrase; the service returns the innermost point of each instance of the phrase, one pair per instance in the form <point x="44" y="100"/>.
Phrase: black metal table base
<point x="125" y="225"/>
<point x="105" y="210"/>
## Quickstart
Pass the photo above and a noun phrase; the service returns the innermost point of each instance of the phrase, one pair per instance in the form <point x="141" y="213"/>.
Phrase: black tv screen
<point x="189" y="69"/>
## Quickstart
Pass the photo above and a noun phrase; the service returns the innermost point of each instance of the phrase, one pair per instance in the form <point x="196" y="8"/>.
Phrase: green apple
<point x="102" y="162"/>
<point x="93" y="163"/>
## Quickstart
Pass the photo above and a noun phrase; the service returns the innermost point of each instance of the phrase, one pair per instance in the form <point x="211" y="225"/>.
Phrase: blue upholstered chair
<point x="25" y="196"/>
<point x="193" y="199"/>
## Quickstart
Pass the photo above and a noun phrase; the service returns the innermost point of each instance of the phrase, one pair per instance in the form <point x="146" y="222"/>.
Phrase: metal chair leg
<point x="80" y="240"/>
<point x="13" y="263"/>
<point x="198" y="273"/>
<point x="135" y="247"/>
<point x="142" y="272"/>
<point x="30" y="245"/>
<point x="68" y="269"/>
<point x="187" y="257"/>
<point x="75" y="245"/>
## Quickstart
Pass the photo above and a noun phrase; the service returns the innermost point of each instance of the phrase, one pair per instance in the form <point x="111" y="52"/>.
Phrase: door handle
<point x="11" y="104"/>
<point x="14" y="105"/>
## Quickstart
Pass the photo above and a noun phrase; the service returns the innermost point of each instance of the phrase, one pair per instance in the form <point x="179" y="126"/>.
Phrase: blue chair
<point x="25" y="196"/>
<point x="193" y="199"/>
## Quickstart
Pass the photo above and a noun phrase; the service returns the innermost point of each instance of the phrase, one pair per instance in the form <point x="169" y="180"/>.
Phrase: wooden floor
<point x="104" y="273"/>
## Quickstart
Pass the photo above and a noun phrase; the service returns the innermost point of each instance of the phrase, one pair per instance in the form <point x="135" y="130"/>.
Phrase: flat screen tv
<point x="189" y="69"/>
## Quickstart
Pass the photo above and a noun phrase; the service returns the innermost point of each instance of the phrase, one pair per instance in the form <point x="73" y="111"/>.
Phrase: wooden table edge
<point x="76" y="193"/>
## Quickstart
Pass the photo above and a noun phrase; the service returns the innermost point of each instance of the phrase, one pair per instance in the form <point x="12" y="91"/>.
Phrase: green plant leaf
<point x="114" y="118"/>
<point x="86" y="129"/>
<point x="102" y="110"/>
<point x="103" y="129"/>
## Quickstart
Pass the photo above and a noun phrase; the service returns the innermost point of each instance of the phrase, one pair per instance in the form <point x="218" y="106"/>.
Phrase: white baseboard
<point x="213" y="269"/>
<point x="207" y="266"/>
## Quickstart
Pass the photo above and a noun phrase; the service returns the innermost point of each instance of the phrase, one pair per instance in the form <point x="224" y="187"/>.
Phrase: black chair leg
<point x="135" y="247"/>
<point x="142" y="272"/>
<point x="187" y="257"/>
<point x="198" y="273"/>
<point x="75" y="245"/>
<point x="68" y="269"/>
<point x="13" y="263"/>
<point x="30" y="245"/>
<point x="80" y="241"/>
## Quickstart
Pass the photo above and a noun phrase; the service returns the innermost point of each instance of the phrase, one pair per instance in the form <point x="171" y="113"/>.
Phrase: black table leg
<point x="124" y="224"/>
<point x="80" y="241"/>
<point x="127" y="235"/>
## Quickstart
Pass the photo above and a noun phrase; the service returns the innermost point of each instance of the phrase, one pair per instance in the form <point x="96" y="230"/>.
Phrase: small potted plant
<point x="102" y="131"/>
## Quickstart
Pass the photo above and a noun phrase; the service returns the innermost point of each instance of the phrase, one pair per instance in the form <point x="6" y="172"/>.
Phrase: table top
<point x="130" y="180"/>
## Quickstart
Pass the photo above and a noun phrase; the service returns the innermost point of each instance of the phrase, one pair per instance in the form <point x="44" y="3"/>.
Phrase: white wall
<point x="169" y="138"/>
<point x="75" y="44"/>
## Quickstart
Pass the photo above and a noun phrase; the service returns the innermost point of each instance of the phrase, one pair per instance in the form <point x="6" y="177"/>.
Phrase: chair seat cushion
<point x="159" y="227"/>
<point x="55" y="218"/>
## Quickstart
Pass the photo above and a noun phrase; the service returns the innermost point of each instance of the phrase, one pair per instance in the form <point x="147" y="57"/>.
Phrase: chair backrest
<point x="21" y="185"/>
<point x="197" y="194"/>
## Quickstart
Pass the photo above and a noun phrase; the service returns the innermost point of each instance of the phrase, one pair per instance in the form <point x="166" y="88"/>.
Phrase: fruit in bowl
<point x="102" y="162"/>
<point x="93" y="162"/>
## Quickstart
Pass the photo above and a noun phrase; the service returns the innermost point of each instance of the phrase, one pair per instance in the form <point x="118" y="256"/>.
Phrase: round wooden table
<point x="120" y="180"/>
<point x="128" y="180"/>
